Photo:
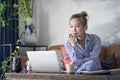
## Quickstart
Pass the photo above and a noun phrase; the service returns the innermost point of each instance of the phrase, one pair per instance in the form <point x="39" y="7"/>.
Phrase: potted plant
<point x="24" y="9"/>
<point x="5" y="64"/>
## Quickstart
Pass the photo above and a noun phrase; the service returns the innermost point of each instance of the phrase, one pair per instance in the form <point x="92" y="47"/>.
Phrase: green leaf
<point x="18" y="27"/>
<point x="3" y="23"/>
<point x="17" y="47"/>
<point x="15" y="5"/>
<point x="24" y="21"/>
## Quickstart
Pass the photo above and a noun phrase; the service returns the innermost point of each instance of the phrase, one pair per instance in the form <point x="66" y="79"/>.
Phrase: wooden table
<point x="51" y="76"/>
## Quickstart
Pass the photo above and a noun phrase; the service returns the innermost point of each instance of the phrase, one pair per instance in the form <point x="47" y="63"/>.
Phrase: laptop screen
<point x="44" y="61"/>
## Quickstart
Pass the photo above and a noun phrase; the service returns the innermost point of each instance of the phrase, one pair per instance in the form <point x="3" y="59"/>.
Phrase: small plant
<point x="5" y="64"/>
<point x="22" y="8"/>
<point x="3" y="7"/>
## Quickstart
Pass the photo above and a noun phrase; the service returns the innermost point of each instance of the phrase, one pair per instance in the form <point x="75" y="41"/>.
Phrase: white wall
<point x="51" y="18"/>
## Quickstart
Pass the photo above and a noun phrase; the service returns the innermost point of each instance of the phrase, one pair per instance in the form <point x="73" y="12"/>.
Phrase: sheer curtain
<point x="9" y="33"/>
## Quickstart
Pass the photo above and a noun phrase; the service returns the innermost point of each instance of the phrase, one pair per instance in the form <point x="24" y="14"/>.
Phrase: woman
<point x="83" y="48"/>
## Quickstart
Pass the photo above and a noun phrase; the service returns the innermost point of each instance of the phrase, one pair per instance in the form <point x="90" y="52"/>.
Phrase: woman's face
<point x="76" y="27"/>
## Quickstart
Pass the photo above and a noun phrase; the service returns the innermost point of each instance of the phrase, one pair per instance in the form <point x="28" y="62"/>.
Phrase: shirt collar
<point x="87" y="38"/>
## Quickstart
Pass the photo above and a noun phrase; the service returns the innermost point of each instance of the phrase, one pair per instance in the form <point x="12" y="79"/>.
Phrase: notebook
<point x="44" y="61"/>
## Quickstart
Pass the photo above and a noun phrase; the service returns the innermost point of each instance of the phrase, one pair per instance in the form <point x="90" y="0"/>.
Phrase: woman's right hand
<point x="72" y="39"/>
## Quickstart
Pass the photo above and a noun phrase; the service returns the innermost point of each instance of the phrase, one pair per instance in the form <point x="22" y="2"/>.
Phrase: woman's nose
<point x="74" y="28"/>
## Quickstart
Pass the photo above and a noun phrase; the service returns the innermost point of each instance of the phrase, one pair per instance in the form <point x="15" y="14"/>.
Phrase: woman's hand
<point x="72" y="62"/>
<point x="72" y="39"/>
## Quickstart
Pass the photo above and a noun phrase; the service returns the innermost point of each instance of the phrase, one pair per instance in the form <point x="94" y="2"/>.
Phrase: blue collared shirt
<point x="91" y="51"/>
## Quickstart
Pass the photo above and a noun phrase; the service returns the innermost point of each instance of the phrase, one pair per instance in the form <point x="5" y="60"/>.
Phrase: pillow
<point x="59" y="55"/>
<point x="66" y="58"/>
<point x="109" y="63"/>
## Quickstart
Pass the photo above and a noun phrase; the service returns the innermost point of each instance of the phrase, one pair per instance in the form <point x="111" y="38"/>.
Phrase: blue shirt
<point x="91" y="51"/>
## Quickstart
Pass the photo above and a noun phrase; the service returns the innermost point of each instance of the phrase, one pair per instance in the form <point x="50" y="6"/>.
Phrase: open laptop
<point x="44" y="61"/>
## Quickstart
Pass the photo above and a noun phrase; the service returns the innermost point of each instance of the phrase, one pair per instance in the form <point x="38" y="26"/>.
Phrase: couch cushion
<point x="59" y="55"/>
<point x="114" y="48"/>
<point x="109" y="63"/>
<point x="66" y="58"/>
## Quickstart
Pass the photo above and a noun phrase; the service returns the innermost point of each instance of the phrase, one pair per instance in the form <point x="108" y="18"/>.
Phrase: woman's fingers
<point x="70" y="36"/>
<point x="72" y="39"/>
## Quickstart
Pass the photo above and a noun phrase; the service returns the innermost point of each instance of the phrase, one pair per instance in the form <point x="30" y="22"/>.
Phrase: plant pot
<point x="16" y="64"/>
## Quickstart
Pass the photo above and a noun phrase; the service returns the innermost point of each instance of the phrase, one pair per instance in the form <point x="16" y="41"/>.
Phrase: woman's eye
<point x="77" y="26"/>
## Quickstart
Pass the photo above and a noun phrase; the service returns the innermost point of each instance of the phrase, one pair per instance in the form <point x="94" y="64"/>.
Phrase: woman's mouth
<point x="74" y="33"/>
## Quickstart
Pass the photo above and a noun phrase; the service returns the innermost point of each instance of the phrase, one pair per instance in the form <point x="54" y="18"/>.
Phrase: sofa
<point x="106" y="52"/>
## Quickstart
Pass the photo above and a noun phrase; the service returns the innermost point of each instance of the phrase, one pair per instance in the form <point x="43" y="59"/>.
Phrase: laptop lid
<point x="44" y="61"/>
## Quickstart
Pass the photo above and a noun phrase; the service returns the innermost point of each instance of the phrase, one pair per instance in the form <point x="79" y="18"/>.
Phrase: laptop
<point x="44" y="61"/>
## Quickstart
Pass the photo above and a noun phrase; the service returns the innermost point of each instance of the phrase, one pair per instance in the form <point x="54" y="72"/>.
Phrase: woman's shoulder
<point x="93" y="36"/>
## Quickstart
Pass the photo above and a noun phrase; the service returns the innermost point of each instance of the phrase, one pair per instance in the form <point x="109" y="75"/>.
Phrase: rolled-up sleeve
<point x="72" y="51"/>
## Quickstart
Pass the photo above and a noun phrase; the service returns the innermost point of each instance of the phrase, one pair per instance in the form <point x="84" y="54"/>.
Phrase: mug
<point x="70" y="68"/>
